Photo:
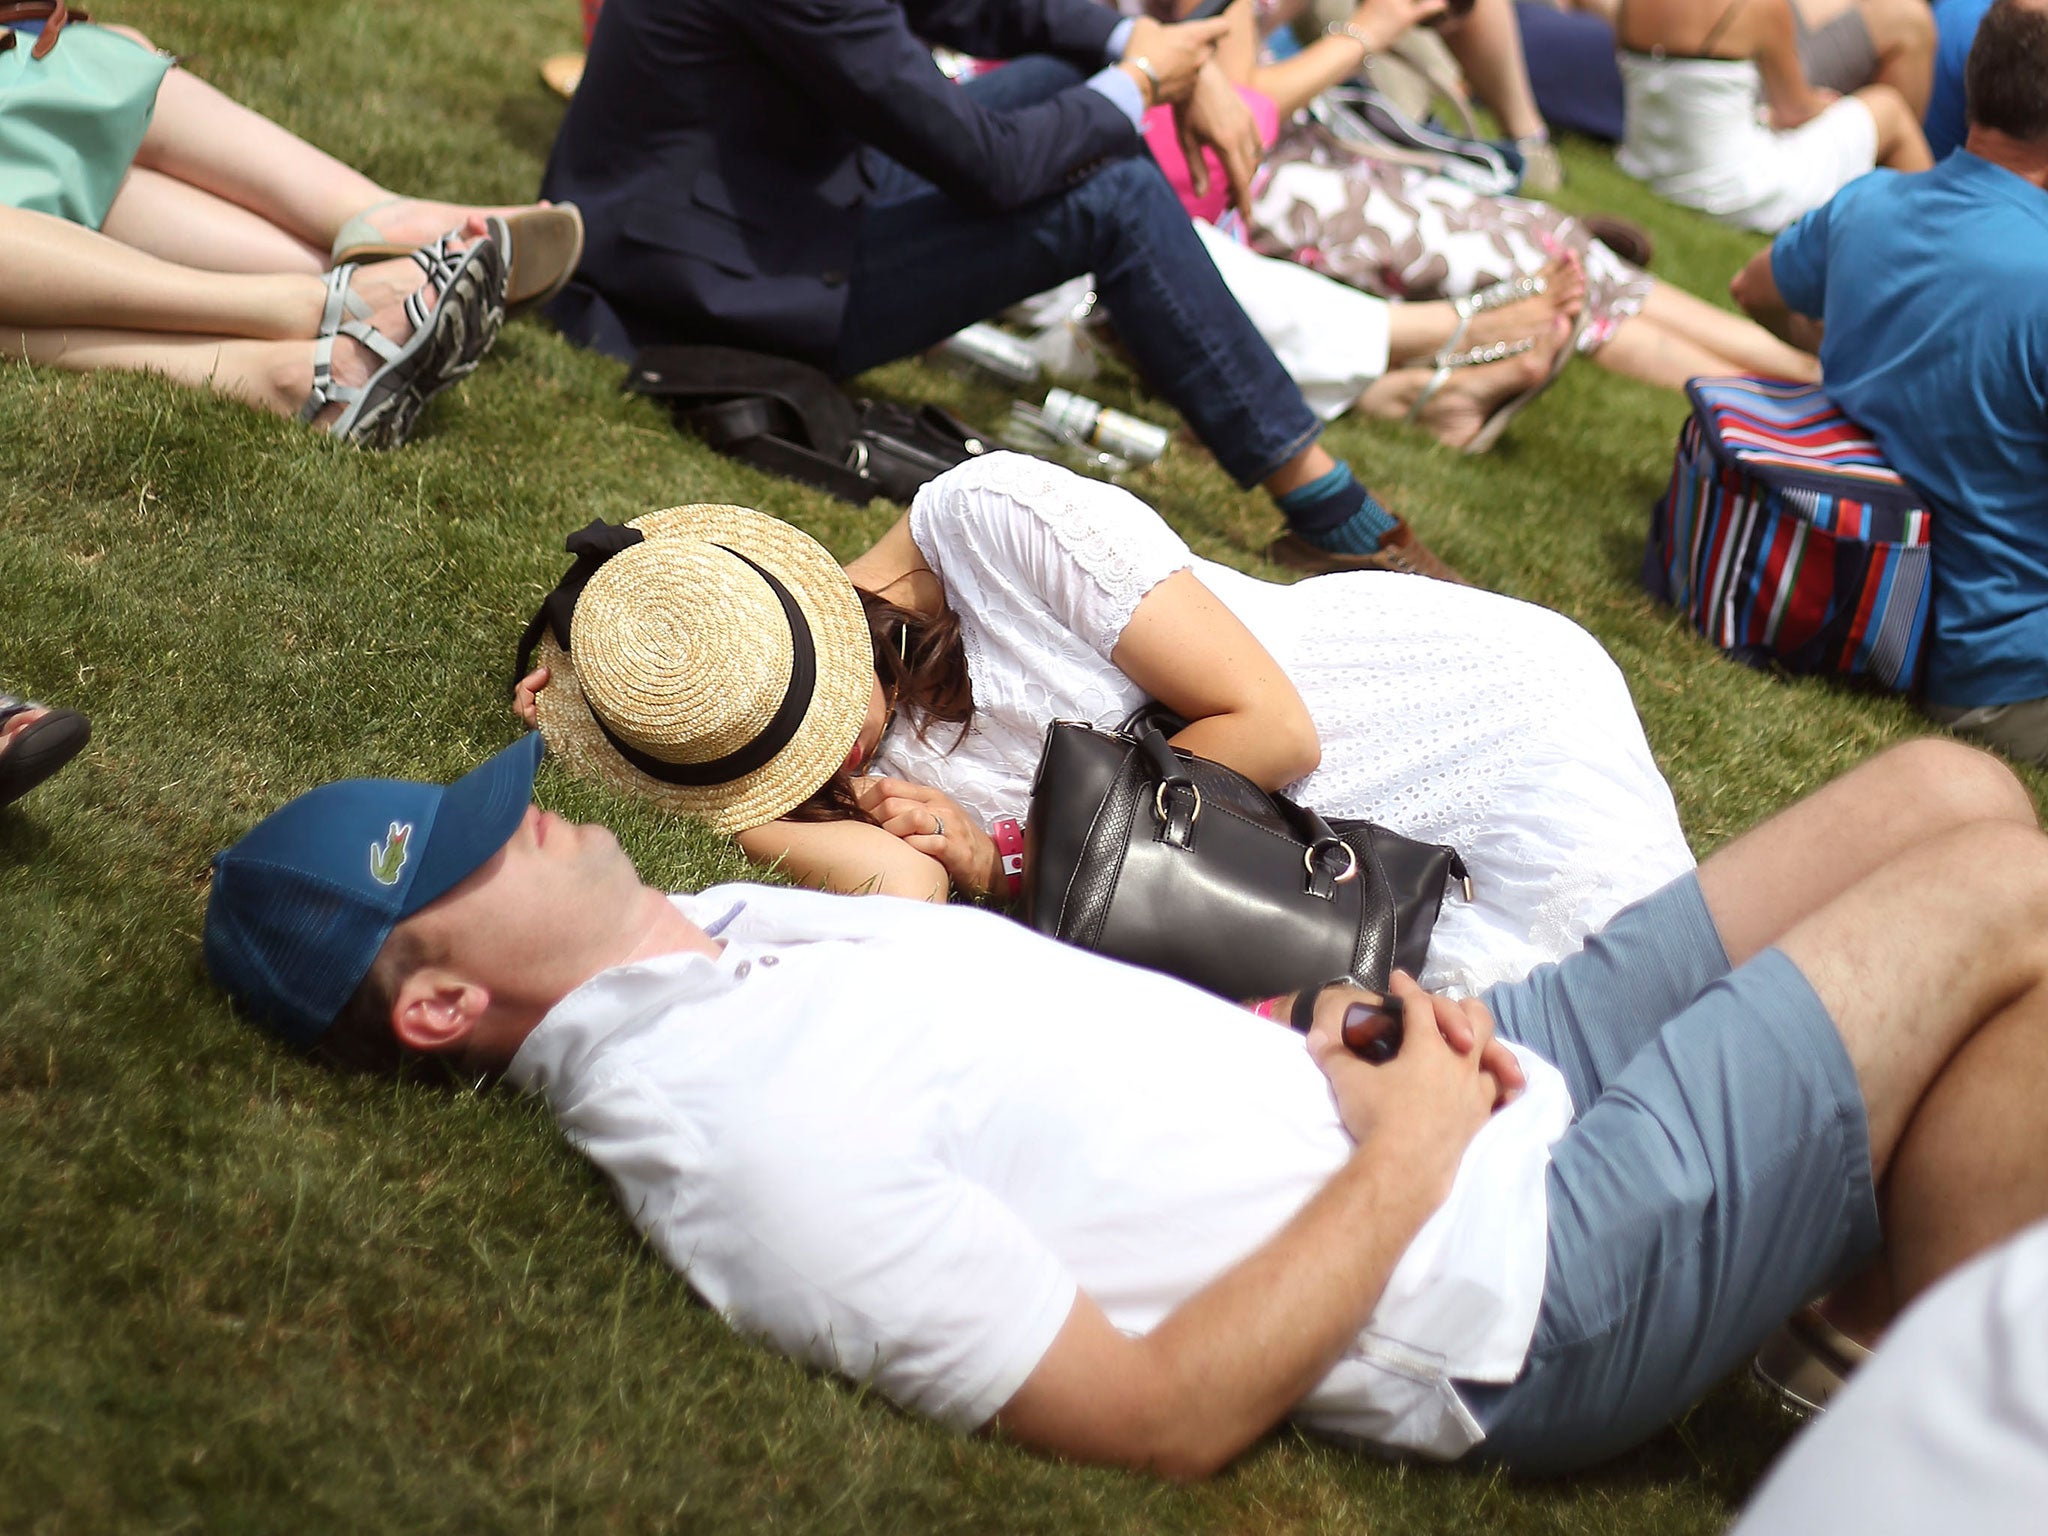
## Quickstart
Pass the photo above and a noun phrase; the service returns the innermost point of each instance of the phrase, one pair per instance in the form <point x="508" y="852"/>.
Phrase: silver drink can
<point x="994" y="351"/>
<point x="1092" y="422"/>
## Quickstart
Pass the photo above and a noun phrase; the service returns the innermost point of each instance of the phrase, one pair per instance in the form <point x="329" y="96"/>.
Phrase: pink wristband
<point x="1008" y="834"/>
<point x="1273" y="1008"/>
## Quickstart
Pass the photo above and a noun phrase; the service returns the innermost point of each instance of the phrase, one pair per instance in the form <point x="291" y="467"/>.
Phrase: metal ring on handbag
<point x="1308" y="859"/>
<point x="1159" y="798"/>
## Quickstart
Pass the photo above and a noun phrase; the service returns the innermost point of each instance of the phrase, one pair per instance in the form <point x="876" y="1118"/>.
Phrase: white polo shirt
<point x="894" y="1138"/>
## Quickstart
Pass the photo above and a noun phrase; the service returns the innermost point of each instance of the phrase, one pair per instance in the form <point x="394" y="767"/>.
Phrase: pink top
<point x="1164" y="143"/>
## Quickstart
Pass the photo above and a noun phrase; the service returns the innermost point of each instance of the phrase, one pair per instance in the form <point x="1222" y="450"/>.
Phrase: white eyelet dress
<point x="1451" y="714"/>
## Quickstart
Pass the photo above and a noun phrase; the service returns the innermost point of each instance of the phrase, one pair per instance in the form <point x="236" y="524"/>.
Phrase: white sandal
<point x="447" y="341"/>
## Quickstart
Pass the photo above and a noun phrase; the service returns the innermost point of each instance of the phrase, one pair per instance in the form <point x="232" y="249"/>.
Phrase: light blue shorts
<point x="1716" y="1177"/>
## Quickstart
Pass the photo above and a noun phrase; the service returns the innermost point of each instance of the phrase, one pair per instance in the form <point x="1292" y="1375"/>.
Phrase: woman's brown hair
<point x="922" y="664"/>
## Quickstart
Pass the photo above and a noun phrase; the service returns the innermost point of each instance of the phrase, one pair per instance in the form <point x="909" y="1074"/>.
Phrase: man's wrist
<point x="1147" y="77"/>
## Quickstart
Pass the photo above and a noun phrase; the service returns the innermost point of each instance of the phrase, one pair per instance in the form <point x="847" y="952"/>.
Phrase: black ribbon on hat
<point x="593" y="546"/>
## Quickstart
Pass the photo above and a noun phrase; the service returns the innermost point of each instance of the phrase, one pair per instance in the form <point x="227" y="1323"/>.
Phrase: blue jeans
<point x="928" y="265"/>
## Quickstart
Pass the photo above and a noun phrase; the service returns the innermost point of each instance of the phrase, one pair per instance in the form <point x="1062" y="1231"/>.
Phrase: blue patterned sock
<point x="1336" y="513"/>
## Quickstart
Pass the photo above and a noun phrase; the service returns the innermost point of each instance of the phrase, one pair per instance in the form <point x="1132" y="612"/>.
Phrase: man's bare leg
<point x="1935" y="970"/>
<point x="1793" y="865"/>
<point x="1851" y="855"/>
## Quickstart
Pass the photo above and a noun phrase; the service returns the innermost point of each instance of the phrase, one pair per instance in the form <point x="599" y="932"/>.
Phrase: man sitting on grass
<point x="1934" y="293"/>
<point x="1012" y="1183"/>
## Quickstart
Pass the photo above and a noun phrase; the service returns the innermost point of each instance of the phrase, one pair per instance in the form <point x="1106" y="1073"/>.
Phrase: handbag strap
<point x="1176" y="801"/>
<point x="53" y="14"/>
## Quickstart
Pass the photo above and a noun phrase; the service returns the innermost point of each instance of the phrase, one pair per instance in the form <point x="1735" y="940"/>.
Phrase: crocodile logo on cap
<point x="387" y="859"/>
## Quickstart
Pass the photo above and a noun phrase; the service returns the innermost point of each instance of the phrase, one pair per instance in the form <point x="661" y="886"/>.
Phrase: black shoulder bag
<point x="791" y="420"/>
<point x="1145" y="852"/>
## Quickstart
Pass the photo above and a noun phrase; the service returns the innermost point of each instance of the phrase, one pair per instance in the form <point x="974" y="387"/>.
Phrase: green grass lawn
<point x="237" y="1295"/>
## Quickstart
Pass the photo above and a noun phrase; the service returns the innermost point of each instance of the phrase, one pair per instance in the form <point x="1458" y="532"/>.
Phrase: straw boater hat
<point x="713" y="659"/>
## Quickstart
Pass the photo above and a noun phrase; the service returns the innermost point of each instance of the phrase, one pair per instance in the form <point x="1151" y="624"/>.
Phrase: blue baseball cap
<point x="303" y="903"/>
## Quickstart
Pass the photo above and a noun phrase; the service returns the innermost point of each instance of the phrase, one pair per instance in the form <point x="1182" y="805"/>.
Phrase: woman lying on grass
<point x="1016" y="593"/>
<point x="195" y="247"/>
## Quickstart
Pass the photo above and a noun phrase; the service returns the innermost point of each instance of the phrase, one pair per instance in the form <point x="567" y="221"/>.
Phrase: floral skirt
<point x="1401" y="233"/>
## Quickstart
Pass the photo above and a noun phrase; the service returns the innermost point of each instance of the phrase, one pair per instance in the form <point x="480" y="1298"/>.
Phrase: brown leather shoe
<point x="1399" y="550"/>
<point x="1807" y="1361"/>
<point x="1626" y="238"/>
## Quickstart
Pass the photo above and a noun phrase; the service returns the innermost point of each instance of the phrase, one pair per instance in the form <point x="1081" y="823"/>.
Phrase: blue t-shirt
<point x="1934" y="289"/>
<point x="1955" y="26"/>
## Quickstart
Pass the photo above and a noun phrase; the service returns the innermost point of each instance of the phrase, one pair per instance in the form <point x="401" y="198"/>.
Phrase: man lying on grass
<point x="1014" y="1184"/>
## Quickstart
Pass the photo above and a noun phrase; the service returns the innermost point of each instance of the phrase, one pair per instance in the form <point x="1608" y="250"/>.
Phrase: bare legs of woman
<point x="1679" y="336"/>
<point x="1459" y="407"/>
<point x="78" y="300"/>
<point x="219" y="187"/>
<point x="1419" y="330"/>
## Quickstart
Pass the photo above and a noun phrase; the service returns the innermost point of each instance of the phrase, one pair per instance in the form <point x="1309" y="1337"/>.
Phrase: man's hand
<point x="1176" y="54"/>
<point x="937" y="826"/>
<point x="1437" y="1091"/>
<point x="1216" y="117"/>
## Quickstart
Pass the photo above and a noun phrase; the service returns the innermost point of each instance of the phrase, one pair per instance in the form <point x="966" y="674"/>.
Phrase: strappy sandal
<point x="441" y="264"/>
<point x="1449" y="361"/>
<point x="445" y="345"/>
<point x="1490" y="430"/>
<point x="541" y="247"/>
<point x="37" y="750"/>
<point x="1509" y="290"/>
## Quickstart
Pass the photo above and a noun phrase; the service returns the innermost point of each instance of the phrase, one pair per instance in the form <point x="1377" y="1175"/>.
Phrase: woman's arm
<point x="1772" y="41"/>
<point x="1192" y="654"/>
<point x="854" y="857"/>
<point x="1293" y="83"/>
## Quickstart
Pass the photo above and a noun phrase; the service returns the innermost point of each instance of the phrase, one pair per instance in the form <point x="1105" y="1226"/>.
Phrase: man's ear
<point x="436" y="1010"/>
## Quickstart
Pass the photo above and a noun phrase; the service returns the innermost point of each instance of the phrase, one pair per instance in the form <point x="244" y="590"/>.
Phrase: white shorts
<point x="1694" y="137"/>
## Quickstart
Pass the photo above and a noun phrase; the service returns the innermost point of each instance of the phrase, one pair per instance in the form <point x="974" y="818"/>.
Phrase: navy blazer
<point x="715" y="148"/>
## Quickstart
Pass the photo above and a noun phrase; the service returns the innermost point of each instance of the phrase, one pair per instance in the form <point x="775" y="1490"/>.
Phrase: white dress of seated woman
<point x="1448" y="713"/>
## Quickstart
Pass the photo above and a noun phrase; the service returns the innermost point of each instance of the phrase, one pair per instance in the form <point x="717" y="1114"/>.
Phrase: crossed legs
<point x="79" y="300"/>
<point x="219" y="187"/>
<point x="1912" y="894"/>
<point x="1827" y="1057"/>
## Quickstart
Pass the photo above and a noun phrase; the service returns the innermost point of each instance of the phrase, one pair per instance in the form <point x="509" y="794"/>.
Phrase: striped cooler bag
<point x="1786" y="538"/>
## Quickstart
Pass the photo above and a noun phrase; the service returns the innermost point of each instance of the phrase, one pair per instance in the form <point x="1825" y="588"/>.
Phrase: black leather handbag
<point x="1147" y="853"/>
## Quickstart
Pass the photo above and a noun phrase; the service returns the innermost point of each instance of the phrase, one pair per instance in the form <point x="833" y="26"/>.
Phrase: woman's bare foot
<point x="1455" y="410"/>
<point x="413" y="221"/>
<point x="1564" y="293"/>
